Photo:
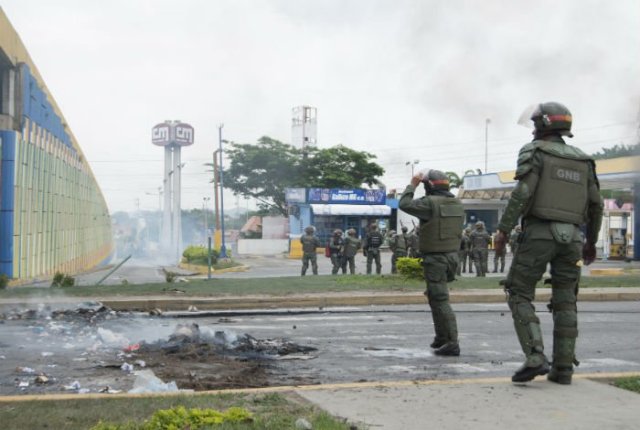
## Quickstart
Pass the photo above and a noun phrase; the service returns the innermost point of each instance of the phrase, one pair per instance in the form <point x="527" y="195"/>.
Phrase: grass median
<point x="285" y="286"/>
<point x="270" y="411"/>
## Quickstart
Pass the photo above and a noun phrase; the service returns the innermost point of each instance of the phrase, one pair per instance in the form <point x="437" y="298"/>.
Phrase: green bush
<point x="183" y="418"/>
<point x="4" y="281"/>
<point x="198" y="255"/>
<point x="170" y="276"/>
<point x="62" y="280"/>
<point x="410" y="268"/>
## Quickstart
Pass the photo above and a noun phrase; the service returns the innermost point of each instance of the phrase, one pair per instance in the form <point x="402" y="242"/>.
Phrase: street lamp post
<point x="223" y="248"/>
<point x="486" y="143"/>
<point x="412" y="163"/>
<point x="204" y="209"/>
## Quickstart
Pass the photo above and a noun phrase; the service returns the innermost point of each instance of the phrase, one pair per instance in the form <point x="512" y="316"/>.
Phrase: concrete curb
<point x="324" y="301"/>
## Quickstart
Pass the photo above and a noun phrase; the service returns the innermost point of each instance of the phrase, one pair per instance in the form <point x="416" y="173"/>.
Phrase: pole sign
<point x="172" y="133"/>
<point x="355" y="196"/>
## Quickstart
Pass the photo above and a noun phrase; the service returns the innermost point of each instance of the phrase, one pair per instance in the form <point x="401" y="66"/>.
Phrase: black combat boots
<point x="437" y="342"/>
<point x="560" y="375"/>
<point x="451" y="349"/>
<point x="526" y="373"/>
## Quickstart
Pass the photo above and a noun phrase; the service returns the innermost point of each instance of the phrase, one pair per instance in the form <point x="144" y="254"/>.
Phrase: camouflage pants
<point x="398" y="253"/>
<point x="309" y="257"/>
<point x="352" y="264"/>
<point x="440" y="268"/>
<point x="463" y="257"/>
<point x="338" y="263"/>
<point x="374" y="254"/>
<point x="480" y="260"/>
<point x="535" y="251"/>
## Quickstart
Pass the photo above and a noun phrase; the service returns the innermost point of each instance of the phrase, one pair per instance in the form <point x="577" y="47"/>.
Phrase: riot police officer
<point x="372" y="246"/>
<point x="480" y="248"/>
<point x="557" y="193"/>
<point x="399" y="245"/>
<point x="441" y="216"/>
<point x="351" y="246"/>
<point x="336" y="244"/>
<point x="309" y="245"/>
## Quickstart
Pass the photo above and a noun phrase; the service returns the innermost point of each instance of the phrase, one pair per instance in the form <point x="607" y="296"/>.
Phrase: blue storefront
<point x="328" y="209"/>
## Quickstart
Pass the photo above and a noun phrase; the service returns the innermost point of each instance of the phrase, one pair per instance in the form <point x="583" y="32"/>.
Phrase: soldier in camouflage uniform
<point x="372" y="246"/>
<point x="441" y="216"/>
<point x="309" y="245"/>
<point x="351" y="246"/>
<point x="336" y="244"/>
<point x="557" y="193"/>
<point x="399" y="245"/>
<point x="464" y="254"/>
<point x="480" y="248"/>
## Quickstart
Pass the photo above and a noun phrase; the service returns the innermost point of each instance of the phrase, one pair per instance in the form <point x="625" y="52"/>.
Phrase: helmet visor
<point x="525" y="117"/>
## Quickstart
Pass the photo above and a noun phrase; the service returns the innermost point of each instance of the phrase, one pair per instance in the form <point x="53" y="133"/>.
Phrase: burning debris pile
<point x="205" y="360"/>
<point x="91" y="348"/>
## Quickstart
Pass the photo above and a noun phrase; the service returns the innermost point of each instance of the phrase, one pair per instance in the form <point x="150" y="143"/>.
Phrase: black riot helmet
<point x="552" y="118"/>
<point x="435" y="180"/>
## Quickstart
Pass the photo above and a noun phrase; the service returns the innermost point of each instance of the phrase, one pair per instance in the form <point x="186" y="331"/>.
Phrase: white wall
<point x="262" y="246"/>
<point x="275" y="227"/>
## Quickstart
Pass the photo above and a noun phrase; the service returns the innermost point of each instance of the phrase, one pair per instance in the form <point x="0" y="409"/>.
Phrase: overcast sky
<point x="402" y="79"/>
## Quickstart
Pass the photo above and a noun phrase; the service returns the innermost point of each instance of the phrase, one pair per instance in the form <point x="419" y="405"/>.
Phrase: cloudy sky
<point x="402" y="79"/>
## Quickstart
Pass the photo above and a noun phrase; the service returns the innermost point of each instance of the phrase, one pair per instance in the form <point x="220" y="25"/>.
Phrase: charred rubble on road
<point x="90" y="356"/>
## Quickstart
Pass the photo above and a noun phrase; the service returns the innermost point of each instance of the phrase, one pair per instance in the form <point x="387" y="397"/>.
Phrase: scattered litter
<point x="374" y="348"/>
<point x="147" y="382"/>
<point x="75" y="385"/>
<point x="303" y="424"/>
<point x="155" y="312"/>
<point x="109" y="390"/>
<point x="141" y="363"/>
<point x="26" y="370"/>
<point x="46" y="354"/>
<point x="41" y="379"/>
<point x="126" y="367"/>
<point x="23" y="384"/>
<point x="296" y="357"/>
<point x="192" y="309"/>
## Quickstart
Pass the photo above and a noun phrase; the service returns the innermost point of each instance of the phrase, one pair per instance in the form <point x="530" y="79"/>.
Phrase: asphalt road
<point x="137" y="271"/>
<point x="353" y="344"/>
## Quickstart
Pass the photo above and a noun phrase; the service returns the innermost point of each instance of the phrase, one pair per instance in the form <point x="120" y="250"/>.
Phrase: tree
<point x="454" y="180"/>
<point x="621" y="150"/>
<point x="263" y="170"/>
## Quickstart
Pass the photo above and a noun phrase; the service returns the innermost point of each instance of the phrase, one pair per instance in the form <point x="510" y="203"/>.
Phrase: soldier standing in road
<point x="372" y="245"/>
<point x="309" y="245"/>
<point x="557" y="193"/>
<point x="480" y="248"/>
<point x="513" y="239"/>
<point x="500" y="252"/>
<point x="441" y="216"/>
<point x="351" y="246"/>
<point x="399" y="245"/>
<point x="414" y="243"/>
<point x="464" y="253"/>
<point x="336" y="244"/>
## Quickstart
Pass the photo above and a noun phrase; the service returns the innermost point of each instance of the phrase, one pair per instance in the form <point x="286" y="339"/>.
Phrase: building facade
<point x="53" y="216"/>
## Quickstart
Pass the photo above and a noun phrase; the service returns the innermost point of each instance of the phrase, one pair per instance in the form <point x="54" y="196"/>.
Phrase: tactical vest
<point x="374" y="240"/>
<point x="443" y="231"/>
<point x="308" y="244"/>
<point x="561" y="193"/>
<point x="480" y="239"/>
<point x="351" y="245"/>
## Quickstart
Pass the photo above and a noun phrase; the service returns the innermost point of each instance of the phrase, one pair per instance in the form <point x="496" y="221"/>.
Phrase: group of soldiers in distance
<point x="474" y="249"/>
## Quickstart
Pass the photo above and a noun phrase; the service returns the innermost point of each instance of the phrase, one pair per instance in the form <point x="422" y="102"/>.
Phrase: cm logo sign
<point x="172" y="133"/>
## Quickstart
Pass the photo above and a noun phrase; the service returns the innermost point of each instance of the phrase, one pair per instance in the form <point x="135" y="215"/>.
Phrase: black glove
<point x="588" y="253"/>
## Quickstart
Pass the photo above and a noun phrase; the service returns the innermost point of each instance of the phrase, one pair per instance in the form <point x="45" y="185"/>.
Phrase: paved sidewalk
<point x="482" y="404"/>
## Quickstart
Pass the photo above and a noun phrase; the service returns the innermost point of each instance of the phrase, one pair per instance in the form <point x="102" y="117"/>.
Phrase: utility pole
<point x="205" y="208"/>
<point x="223" y="248"/>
